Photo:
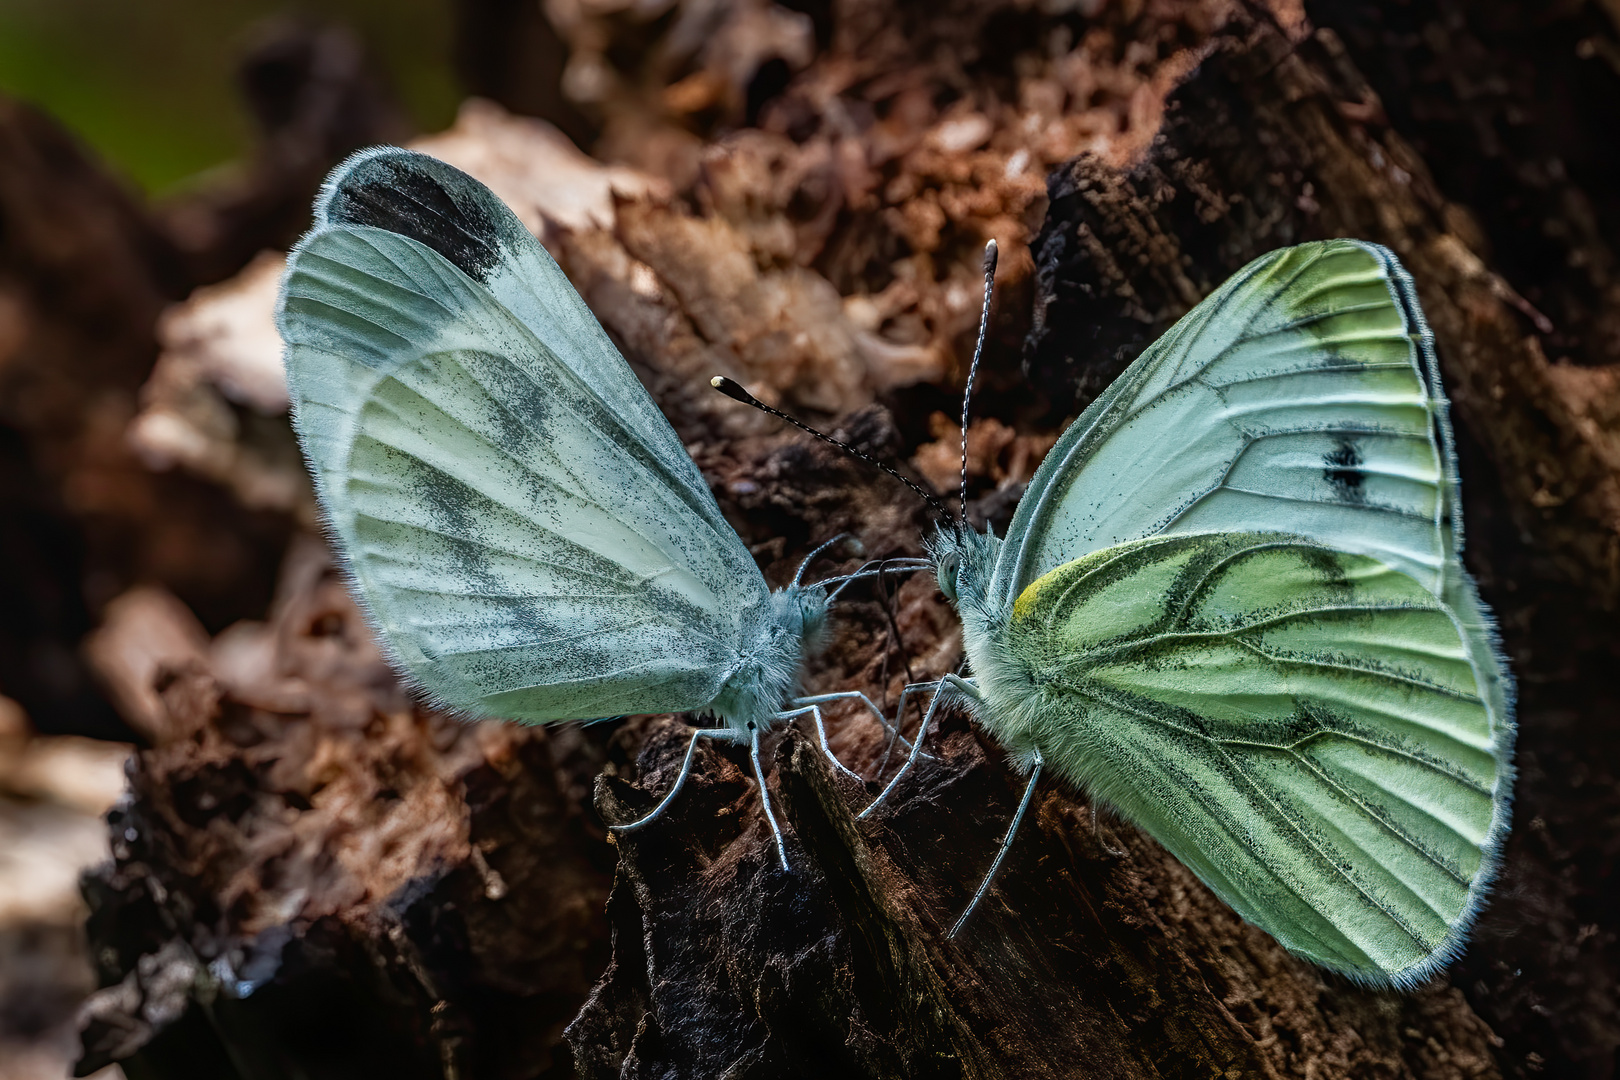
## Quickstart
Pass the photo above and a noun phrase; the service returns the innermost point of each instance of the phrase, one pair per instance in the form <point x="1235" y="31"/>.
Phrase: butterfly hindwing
<point x="1301" y="727"/>
<point x="1303" y="396"/>
<point x="527" y="545"/>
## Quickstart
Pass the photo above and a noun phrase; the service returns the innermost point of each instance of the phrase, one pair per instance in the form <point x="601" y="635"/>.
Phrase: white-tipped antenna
<point x="990" y="254"/>
<point x="735" y="391"/>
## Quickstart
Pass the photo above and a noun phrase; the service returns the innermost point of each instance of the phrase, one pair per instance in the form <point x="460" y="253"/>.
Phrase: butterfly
<point x="1231" y="606"/>
<point x="525" y="531"/>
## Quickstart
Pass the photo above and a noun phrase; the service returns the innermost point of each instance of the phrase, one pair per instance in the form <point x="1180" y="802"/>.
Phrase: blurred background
<point x="794" y="194"/>
<point x="156" y="88"/>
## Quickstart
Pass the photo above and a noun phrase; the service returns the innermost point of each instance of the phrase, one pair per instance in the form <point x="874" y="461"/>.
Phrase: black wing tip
<point x="362" y="163"/>
<point x="424" y="199"/>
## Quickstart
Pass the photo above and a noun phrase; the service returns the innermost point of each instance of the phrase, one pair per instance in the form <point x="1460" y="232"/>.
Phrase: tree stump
<point x="315" y="876"/>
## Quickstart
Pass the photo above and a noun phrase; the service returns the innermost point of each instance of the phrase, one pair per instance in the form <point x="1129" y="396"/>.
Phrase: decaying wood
<point x="1079" y="952"/>
<point x="316" y="876"/>
<point x="1084" y="962"/>
<point x="334" y="877"/>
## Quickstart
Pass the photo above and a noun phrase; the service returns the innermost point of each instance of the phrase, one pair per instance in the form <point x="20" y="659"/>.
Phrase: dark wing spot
<point x="430" y="202"/>
<point x="1342" y="469"/>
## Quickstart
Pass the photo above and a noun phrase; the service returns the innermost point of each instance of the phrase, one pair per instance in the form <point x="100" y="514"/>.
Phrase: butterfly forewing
<point x="1302" y="727"/>
<point x="1299" y="395"/>
<point x="461" y="220"/>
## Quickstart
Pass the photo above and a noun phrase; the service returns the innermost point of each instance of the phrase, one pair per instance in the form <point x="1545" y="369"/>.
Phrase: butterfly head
<point x="963" y="561"/>
<point x="803" y="608"/>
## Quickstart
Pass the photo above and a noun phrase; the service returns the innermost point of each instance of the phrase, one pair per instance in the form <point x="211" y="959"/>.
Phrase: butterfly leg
<point x="765" y="793"/>
<point x="953" y="682"/>
<point x="856" y="695"/>
<point x="680" y="779"/>
<point x="821" y="728"/>
<point x="899" y="721"/>
<point x="1006" y="842"/>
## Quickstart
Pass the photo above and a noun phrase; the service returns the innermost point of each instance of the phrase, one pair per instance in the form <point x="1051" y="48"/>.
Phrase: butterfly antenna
<point x="734" y="390"/>
<point x="798" y="578"/>
<point x="895" y="640"/>
<point x="990" y="255"/>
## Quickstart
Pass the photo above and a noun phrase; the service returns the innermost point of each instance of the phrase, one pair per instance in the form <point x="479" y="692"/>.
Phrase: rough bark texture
<point x="335" y="879"/>
<point x="315" y="876"/>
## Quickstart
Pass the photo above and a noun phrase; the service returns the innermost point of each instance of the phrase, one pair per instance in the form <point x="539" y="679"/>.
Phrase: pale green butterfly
<point x="521" y="524"/>
<point x="1231" y="606"/>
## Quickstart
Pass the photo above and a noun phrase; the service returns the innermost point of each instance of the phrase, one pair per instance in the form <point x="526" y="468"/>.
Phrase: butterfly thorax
<point x="767" y="671"/>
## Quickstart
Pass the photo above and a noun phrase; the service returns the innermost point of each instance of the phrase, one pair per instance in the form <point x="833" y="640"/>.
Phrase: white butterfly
<point x="526" y="532"/>
<point x="1231" y="605"/>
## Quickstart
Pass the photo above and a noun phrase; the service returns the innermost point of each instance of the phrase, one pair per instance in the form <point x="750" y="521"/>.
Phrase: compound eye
<point x="946" y="576"/>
